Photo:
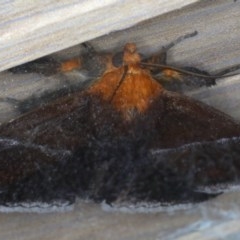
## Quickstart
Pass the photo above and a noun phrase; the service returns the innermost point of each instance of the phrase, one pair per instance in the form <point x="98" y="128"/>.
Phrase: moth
<point x="123" y="138"/>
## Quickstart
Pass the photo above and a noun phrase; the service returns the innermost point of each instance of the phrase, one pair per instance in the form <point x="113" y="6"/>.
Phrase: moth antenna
<point x="221" y="75"/>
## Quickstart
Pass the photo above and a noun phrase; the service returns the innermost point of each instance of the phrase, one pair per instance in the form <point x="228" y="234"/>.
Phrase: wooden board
<point x="31" y="29"/>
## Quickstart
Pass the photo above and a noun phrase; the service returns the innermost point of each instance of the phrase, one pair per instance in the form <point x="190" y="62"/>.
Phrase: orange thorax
<point x="135" y="92"/>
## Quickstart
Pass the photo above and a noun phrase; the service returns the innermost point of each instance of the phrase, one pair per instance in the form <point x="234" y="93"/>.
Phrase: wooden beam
<point x="31" y="29"/>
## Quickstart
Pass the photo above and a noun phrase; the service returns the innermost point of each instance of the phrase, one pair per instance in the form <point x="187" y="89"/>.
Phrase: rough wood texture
<point x="215" y="47"/>
<point x="213" y="220"/>
<point x="31" y="29"/>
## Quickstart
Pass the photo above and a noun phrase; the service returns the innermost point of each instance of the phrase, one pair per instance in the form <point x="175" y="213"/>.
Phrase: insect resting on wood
<point x="124" y="138"/>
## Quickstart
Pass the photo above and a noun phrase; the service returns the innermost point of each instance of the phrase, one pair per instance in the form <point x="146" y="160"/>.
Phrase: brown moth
<point x="124" y="138"/>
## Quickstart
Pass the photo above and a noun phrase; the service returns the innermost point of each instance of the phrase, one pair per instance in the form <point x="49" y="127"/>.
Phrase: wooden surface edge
<point x="37" y="30"/>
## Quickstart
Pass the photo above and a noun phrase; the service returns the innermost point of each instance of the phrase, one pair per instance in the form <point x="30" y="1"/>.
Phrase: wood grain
<point x="31" y="29"/>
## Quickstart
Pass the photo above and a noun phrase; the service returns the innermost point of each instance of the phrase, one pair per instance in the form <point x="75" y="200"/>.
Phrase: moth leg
<point x="80" y="62"/>
<point x="180" y="39"/>
<point x="48" y="65"/>
<point x="188" y="82"/>
<point x="176" y="81"/>
<point x="161" y="56"/>
<point x="228" y="70"/>
<point x="170" y="79"/>
<point x="45" y="65"/>
<point x="180" y="82"/>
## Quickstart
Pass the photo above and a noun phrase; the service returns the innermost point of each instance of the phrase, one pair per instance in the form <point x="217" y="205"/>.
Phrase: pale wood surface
<point x="31" y="29"/>
<point x="217" y="219"/>
<point x="215" y="47"/>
